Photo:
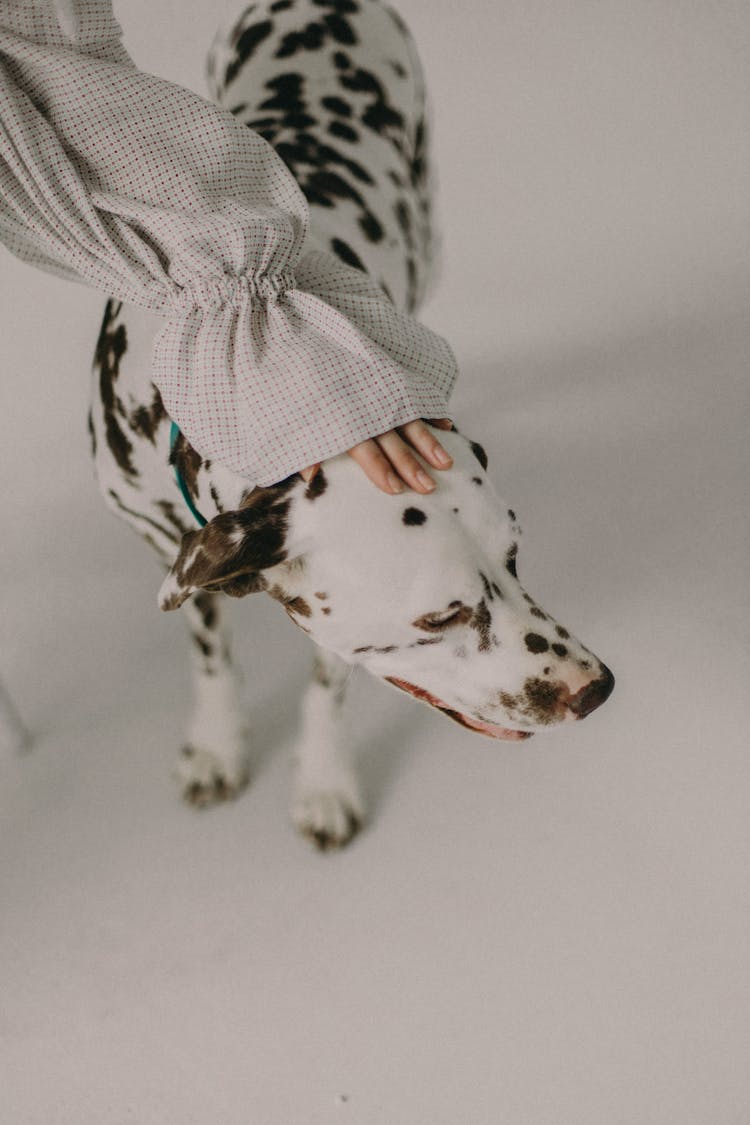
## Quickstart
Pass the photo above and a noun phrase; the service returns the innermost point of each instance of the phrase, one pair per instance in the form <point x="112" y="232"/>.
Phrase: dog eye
<point x="456" y="614"/>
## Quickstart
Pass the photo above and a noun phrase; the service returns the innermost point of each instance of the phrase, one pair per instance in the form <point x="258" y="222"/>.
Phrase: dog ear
<point x="231" y="552"/>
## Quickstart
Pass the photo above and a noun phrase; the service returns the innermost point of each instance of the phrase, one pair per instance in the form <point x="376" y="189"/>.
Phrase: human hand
<point x="388" y="459"/>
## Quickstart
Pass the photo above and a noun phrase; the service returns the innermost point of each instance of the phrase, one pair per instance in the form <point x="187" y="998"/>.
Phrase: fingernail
<point x="424" y="480"/>
<point x="394" y="483"/>
<point x="441" y="456"/>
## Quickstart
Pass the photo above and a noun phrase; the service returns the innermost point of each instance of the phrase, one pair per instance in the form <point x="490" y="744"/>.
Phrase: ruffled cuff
<point x="270" y="373"/>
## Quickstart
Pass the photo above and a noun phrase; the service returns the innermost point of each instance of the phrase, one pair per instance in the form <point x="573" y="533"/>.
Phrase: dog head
<point x="422" y="590"/>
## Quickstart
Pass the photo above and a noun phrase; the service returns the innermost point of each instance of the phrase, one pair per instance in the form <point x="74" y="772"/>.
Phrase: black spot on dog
<point x="479" y="453"/>
<point x="487" y="587"/>
<point x="362" y="648"/>
<point x="510" y="560"/>
<point x="247" y="43"/>
<point x="317" y="486"/>
<point x="345" y="7"/>
<point x="342" y="61"/>
<point x="371" y="227"/>
<point x="559" y="650"/>
<point x="345" y="132"/>
<point x="344" y="252"/>
<point x="562" y="632"/>
<point x="536" y="643"/>
<point x="512" y="514"/>
<point x="340" y="29"/>
<point x="337" y="105"/>
<point x="497" y="590"/>
<point x="92" y="432"/>
<point x="537" y="612"/>
<point x="477" y="480"/>
<point x="386" y="650"/>
<point x="309" y="38"/>
<point x="413" y="517"/>
<point x="205" y="647"/>
<point x="398" y="68"/>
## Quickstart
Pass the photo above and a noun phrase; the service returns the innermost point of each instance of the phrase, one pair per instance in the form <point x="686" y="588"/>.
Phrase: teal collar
<point x="174" y="434"/>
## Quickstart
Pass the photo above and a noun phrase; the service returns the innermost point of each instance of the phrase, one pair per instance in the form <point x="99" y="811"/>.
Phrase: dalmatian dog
<point x="421" y="590"/>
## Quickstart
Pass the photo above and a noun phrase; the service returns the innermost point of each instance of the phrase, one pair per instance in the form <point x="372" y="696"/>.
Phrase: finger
<point x="421" y="437"/>
<point x="308" y="473"/>
<point x="404" y="462"/>
<point x="441" y="423"/>
<point x="370" y="457"/>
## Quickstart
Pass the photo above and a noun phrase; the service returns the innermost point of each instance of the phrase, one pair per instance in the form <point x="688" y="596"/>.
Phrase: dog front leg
<point x="212" y="765"/>
<point x="327" y="805"/>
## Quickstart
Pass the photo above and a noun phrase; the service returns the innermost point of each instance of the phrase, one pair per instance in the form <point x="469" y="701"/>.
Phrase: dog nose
<point x="593" y="695"/>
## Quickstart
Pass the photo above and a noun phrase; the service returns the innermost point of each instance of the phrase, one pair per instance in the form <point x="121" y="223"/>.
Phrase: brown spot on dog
<point x="206" y="606"/>
<point x="189" y="463"/>
<point x="434" y="623"/>
<point x="142" y="516"/>
<point x="481" y="620"/>
<point x="145" y="420"/>
<point x="317" y="486"/>
<point x="487" y="587"/>
<point x="542" y="700"/>
<point x="291" y="604"/>
<point x="323" y="597"/>
<point x="229" y="553"/>
<point x="111" y="346"/>
<point x="171" y="516"/>
<point x="326" y="610"/>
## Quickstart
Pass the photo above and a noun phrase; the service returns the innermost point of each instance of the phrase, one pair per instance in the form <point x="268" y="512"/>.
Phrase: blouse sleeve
<point x="268" y="359"/>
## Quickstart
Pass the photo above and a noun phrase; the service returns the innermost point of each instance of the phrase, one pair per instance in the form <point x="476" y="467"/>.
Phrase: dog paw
<point x="207" y="780"/>
<point x="327" y="819"/>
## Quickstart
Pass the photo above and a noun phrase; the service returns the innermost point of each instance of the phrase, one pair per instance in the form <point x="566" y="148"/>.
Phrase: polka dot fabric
<point x="269" y="358"/>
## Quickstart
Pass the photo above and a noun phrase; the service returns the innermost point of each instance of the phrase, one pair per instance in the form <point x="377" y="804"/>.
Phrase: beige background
<point x="552" y="935"/>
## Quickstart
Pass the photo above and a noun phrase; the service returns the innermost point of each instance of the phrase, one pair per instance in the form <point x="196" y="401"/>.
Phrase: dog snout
<point x="592" y="695"/>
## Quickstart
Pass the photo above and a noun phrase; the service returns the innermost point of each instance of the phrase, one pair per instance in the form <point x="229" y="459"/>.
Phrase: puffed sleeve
<point x="268" y="359"/>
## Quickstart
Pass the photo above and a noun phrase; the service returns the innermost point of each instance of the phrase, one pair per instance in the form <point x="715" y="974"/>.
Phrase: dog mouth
<point x="489" y="730"/>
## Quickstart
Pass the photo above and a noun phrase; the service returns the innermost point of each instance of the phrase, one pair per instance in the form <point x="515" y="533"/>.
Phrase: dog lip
<point x="489" y="730"/>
